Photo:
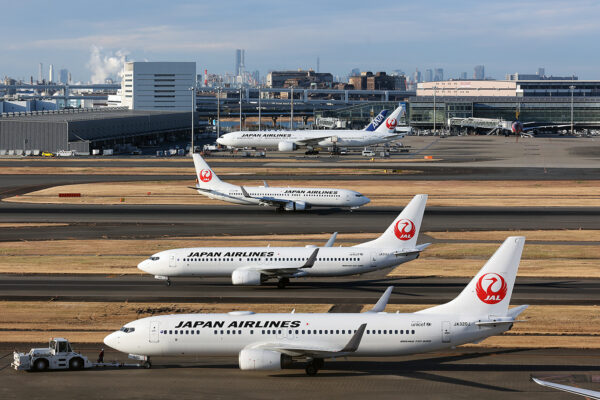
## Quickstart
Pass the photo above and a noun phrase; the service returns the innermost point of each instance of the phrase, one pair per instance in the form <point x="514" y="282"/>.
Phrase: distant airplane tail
<point x="207" y="179"/>
<point x="376" y="122"/>
<point x="391" y="122"/>
<point x="489" y="292"/>
<point x="404" y="231"/>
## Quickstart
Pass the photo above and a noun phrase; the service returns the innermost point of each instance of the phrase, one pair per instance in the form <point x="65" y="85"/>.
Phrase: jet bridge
<point x="491" y="125"/>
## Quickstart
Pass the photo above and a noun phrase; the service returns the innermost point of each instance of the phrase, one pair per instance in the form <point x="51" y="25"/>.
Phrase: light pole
<point x="193" y="90"/>
<point x="259" y="120"/>
<point x="292" y="111"/>
<point x="434" y="128"/>
<point x="219" y="112"/>
<point x="572" y="87"/>
<point x="240" y="108"/>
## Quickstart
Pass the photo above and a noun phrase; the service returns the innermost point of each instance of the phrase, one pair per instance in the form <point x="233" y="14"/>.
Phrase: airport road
<point x="144" y="221"/>
<point x="453" y="374"/>
<point x="349" y="290"/>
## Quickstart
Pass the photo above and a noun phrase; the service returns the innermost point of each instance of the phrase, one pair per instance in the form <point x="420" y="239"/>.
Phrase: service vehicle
<point x="58" y="355"/>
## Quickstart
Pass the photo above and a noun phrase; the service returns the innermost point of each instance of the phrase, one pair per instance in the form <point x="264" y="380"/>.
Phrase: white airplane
<point x="291" y="140"/>
<point x="255" y="265"/>
<point x="272" y="341"/>
<point x="284" y="198"/>
<point x="589" y="394"/>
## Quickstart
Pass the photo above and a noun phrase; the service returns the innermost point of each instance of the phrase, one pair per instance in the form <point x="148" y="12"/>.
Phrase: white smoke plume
<point x="109" y="65"/>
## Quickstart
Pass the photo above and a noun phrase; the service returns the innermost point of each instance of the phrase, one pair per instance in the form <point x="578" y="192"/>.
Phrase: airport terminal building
<point x="82" y="130"/>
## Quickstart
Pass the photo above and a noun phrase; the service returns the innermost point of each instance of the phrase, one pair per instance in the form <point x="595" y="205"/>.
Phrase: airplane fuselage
<point x="311" y="197"/>
<point x="227" y="334"/>
<point x="223" y="261"/>
<point x="272" y="139"/>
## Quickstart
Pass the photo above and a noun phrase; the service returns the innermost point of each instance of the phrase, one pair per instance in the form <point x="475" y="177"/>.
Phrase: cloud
<point x="105" y="66"/>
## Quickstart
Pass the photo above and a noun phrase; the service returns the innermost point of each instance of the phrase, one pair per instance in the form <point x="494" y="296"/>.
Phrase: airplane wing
<point x="271" y="201"/>
<point x="280" y="270"/>
<point x="316" y="350"/>
<point x="313" y="141"/>
<point x="591" y="394"/>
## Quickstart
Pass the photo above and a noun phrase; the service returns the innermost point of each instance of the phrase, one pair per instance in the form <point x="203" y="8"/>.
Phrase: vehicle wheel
<point x="311" y="370"/>
<point x="168" y="282"/>
<point x="319" y="363"/>
<point x="76" y="363"/>
<point x="282" y="282"/>
<point x="41" y="364"/>
<point x="147" y="365"/>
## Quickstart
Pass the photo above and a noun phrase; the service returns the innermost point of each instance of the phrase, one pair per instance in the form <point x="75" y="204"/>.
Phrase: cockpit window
<point x="154" y="258"/>
<point x="358" y="195"/>
<point x="127" y="329"/>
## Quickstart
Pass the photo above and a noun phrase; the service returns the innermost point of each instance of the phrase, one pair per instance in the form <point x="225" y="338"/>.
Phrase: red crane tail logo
<point x="205" y="175"/>
<point x="404" y="229"/>
<point x="391" y="123"/>
<point x="491" y="288"/>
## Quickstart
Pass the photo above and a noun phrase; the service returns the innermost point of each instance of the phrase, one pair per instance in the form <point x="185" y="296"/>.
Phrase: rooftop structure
<point x="158" y="85"/>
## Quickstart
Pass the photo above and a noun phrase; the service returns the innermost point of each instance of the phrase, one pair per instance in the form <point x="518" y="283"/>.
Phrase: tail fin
<point x="377" y="121"/>
<point x="404" y="231"/>
<point x="390" y="123"/>
<point x="490" y="290"/>
<point x="207" y="179"/>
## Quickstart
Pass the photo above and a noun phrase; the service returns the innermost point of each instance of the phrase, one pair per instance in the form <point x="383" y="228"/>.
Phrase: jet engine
<point x="259" y="359"/>
<point x="286" y="146"/>
<point x="296" y="205"/>
<point x="246" y="277"/>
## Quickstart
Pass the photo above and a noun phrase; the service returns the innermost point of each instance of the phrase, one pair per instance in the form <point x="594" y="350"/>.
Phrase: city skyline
<point x="505" y="38"/>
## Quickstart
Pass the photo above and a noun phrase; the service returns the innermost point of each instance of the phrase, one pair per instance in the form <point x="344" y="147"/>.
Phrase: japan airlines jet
<point x="284" y="198"/>
<point x="272" y="341"/>
<point x="291" y="140"/>
<point x="255" y="265"/>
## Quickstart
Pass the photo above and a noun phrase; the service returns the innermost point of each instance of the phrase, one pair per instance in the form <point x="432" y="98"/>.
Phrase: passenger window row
<point x="297" y="332"/>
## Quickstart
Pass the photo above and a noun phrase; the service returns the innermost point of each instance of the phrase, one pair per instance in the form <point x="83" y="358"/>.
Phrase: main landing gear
<point x="314" y="366"/>
<point x="147" y="364"/>
<point x="168" y="282"/>
<point x="282" y="282"/>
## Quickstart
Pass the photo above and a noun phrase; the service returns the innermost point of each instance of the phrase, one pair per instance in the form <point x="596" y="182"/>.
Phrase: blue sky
<point x="506" y="36"/>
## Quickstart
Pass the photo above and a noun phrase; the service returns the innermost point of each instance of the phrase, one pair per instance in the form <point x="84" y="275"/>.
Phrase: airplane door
<point x="153" y="337"/>
<point x="172" y="262"/>
<point x="446" y="332"/>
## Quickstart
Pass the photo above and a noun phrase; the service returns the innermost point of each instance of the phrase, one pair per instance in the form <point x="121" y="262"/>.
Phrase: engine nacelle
<point x="266" y="360"/>
<point x="246" y="277"/>
<point x="296" y="205"/>
<point x="286" y="146"/>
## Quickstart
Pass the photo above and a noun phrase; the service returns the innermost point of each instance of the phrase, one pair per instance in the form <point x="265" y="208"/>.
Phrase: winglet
<point x="265" y="184"/>
<point x="331" y="240"/>
<point x="355" y="340"/>
<point x="311" y="260"/>
<point x="244" y="192"/>
<point x="382" y="302"/>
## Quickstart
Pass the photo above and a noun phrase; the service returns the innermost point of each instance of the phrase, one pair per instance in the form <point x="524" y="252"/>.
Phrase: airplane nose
<point x="366" y="200"/>
<point x="220" y="140"/>
<point x="112" y="340"/>
<point x="143" y="266"/>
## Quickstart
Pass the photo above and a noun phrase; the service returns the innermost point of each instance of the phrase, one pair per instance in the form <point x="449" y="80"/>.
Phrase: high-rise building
<point x="158" y="85"/>
<point x="417" y="76"/>
<point x="51" y="74"/>
<point x="63" y="76"/>
<point x="541" y="72"/>
<point x="463" y="75"/>
<point x="40" y="73"/>
<point x="439" y="74"/>
<point x="69" y="80"/>
<point x="479" y="72"/>
<point x="239" y="62"/>
<point x="428" y="75"/>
